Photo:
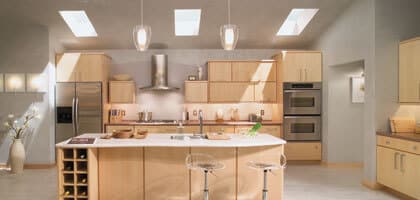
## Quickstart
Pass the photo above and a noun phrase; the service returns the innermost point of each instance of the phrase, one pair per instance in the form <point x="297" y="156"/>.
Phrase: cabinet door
<point x="312" y="71"/>
<point x="196" y="91"/>
<point x="222" y="129"/>
<point x="66" y="67"/>
<point x="410" y="172"/>
<point x="293" y="67"/>
<point x="409" y="70"/>
<point x="273" y="130"/>
<point x="253" y="71"/>
<point x="91" y="68"/>
<point x="388" y="165"/>
<point x="231" y="92"/>
<point x="123" y="92"/>
<point x="303" y="150"/>
<point x="219" y="71"/>
<point x="266" y="92"/>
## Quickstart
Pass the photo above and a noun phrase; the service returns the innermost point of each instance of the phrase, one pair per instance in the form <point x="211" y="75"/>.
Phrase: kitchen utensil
<point x="219" y="115"/>
<point x="234" y="114"/>
<point x="254" y="117"/>
<point x="122" y="134"/>
<point x="403" y="124"/>
<point x="140" y="135"/>
<point x="145" y="116"/>
<point x="122" y="77"/>
<point x="217" y="136"/>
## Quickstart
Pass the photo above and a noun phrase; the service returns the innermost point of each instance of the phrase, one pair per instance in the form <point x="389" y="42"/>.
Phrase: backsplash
<point x="409" y="111"/>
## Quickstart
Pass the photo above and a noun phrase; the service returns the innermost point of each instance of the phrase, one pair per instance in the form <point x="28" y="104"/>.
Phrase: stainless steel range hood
<point x="159" y="74"/>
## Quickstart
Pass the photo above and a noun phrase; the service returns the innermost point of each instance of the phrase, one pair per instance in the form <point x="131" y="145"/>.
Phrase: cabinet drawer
<point x="110" y="128"/>
<point x="157" y="129"/>
<point x="303" y="150"/>
<point x="223" y="129"/>
<point x="272" y="130"/>
<point x="403" y="145"/>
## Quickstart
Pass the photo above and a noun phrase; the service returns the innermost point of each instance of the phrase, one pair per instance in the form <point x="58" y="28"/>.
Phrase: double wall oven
<point x="302" y="111"/>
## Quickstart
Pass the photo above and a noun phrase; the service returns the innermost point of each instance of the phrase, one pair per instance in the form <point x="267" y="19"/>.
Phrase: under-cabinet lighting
<point x="187" y="22"/>
<point x="296" y="22"/>
<point x="79" y="23"/>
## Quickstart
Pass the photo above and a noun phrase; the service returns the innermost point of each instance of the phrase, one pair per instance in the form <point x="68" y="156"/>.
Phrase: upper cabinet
<point x="253" y="71"/>
<point x="196" y="91"/>
<point x="82" y="67"/>
<point x="409" y="71"/>
<point x="231" y="92"/>
<point x="122" y="92"/>
<point x="220" y="71"/>
<point x="302" y="66"/>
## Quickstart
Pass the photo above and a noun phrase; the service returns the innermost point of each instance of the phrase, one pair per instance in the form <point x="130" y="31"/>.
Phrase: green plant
<point x="254" y="130"/>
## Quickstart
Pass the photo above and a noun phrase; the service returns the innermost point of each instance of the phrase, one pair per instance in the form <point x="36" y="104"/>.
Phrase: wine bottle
<point x="84" y="180"/>
<point x="83" y="156"/>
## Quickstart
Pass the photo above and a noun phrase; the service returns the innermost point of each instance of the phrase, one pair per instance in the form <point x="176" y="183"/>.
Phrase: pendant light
<point x="229" y="33"/>
<point x="142" y="34"/>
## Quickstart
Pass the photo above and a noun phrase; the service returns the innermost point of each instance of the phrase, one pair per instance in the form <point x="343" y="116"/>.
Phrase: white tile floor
<point x="302" y="182"/>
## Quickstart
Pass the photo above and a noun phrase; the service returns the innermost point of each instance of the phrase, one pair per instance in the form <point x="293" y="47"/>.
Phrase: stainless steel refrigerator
<point x="78" y="109"/>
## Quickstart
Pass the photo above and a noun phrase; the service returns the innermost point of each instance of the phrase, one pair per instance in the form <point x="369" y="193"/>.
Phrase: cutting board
<point x="403" y="124"/>
<point x="217" y="136"/>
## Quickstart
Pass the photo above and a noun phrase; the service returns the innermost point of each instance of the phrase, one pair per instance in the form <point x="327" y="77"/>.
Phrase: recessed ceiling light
<point x="79" y="23"/>
<point x="187" y="22"/>
<point x="296" y="21"/>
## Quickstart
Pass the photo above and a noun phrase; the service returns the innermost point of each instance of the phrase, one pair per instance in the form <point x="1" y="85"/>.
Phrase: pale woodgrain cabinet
<point x="398" y="168"/>
<point x="82" y="67"/>
<point x="409" y="71"/>
<point x="196" y="91"/>
<point x="303" y="150"/>
<point x="219" y="70"/>
<point x="122" y="92"/>
<point x="111" y="128"/>
<point x="246" y="71"/>
<point x="157" y="129"/>
<point x="302" y="66"/>
<point x="274" y="130"/>
<point x="231" y="92"/>
<point x="266" y="92"/>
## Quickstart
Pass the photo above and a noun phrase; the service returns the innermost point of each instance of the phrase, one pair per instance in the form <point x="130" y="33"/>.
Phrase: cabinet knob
<point x="415" y="148"/>
<point x="387" y="142"/>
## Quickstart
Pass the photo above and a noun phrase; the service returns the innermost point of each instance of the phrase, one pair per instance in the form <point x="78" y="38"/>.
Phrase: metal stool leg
<point x="206" y="187"/>
<point x="265" y="190"/>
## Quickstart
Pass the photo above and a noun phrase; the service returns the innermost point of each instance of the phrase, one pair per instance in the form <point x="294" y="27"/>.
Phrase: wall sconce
<point x="15" y="82"/>
<point x="35" y="83"/>
<point x="1" y="83"/>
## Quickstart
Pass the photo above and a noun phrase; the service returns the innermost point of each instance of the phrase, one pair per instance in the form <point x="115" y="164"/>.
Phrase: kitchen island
<point x="154" y="168"/>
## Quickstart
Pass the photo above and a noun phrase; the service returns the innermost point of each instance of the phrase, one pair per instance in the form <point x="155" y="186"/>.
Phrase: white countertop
<point x="163" y="140"/>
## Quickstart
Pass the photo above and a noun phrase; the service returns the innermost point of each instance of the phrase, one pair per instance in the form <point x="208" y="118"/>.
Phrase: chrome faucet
<point x="200" y="118"/>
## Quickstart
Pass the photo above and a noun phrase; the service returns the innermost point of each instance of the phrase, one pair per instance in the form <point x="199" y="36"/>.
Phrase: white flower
<point x="15" y="122"/>
<point x="6" y="124"/>
<point x="38" y="116"/>
<point x="34" y="109"/>
<point x="10" y="116"/>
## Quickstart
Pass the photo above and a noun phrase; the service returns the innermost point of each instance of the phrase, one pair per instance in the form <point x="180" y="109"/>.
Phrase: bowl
<point x="122" y="77"/>
<point x="124" y="133"/>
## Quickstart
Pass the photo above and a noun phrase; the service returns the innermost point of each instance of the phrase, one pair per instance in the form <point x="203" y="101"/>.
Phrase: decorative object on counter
<point x="254" y="130"/>
<point x="122" y="134"/>
<point x="219" y="115"/>
<point x="145" y="116"/>
<point x="229" y="33"/>
<point x="116" y="115"/>
<point x="217" y="136"/>
<point x="1" y="82"/>
<point x="192" y="78"/>
<point x="140" y="134"/>
<point x="122" y="77"/>
<point x="254" y="117"/>
<point x="403" y="124"/>
<point x="17" y="130"/>
<point x="234" y="115"/>
<point x="358" y="89"/>
<point x="185" y="115"/>
<point x="142" y="34"/>
<point x="200" y="72"/>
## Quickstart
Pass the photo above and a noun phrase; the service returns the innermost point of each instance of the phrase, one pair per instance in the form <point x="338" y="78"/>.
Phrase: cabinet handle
<point x="300" y="74"/>
<point x="396" y="154"/>
<point x="387" y="142"/>
<point x="306" y="74"/>
<point x="415" y="148"/>
<point x="402" y="163"/>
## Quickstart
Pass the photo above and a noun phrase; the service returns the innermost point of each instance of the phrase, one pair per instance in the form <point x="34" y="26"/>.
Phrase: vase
<point x="17" y="156"/>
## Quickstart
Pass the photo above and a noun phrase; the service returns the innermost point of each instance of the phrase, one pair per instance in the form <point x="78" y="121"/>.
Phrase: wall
<point x="392" y="28"/>
<point x="25" y="49"/>
<point x="181" y="63"/>
<point x="350" y="38"/>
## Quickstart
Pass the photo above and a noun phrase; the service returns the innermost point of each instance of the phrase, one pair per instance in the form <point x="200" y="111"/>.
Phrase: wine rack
<point x="77" y="169"/>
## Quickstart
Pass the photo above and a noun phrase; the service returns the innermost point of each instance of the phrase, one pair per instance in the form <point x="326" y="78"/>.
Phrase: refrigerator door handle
<point x="77" y="116"/>
<point x="73" y="112"/>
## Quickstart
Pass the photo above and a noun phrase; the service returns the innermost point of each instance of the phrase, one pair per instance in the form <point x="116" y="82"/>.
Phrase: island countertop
<point x="164" y="140"/>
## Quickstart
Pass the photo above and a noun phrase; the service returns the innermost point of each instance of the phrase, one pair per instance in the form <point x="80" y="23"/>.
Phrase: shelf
<point x="81" y="172"/>
<point x="81" y="160"/>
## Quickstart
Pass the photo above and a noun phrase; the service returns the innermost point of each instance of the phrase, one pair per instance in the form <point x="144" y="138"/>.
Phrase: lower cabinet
<point x="398" y="170"/>
<point x="157" y="129"/>
<point x="303" y="150"/>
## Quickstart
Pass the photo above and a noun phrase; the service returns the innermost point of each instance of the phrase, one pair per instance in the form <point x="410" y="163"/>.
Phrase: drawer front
<point x="223" y="129"/>
<point x="111" y="128"/>
<point x="157" y="129"/>
<point x="399" y="144"/>
<point x="272" y="130"/>
<point x="303" y="150"/>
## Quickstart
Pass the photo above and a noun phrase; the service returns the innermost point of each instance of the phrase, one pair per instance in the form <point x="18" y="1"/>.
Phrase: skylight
<point x="187" y="22"/>
<point x="79" y="23"/>
<point x="296" y="21"/>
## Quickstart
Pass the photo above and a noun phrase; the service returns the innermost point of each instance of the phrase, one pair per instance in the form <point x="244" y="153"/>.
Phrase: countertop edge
<point x="414" y="137"/>
<point x="195" y="123"/>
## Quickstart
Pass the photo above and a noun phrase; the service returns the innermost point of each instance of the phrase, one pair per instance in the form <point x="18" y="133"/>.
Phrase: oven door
<point x="300" y="128"/>
<point x="302" y="102"/>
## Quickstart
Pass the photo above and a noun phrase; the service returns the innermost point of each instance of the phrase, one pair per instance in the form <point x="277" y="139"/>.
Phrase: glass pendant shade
<point x="141" y="36"/>
<point x="229" y="34"/>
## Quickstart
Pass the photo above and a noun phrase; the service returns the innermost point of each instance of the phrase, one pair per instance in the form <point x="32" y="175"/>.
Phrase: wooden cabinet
<point x="157" y="129"/>
<point x="82" y="67"/>
<point x="302" y="66"/>
<point x="246" y="71"/>
<point x="231" y="92"/>
<point x="196" y="91"/>
<point x="123" y="92"/>
<point x="409" y="70"/>
<point x="274" y="130"/>
<point x="222" y="129"/>
<point x="219" y="71"/>
<point x="266" y="92"/>
<point x="111" y="128"/>
<point x="121" y="173"/>
<point x="303" y="150"/>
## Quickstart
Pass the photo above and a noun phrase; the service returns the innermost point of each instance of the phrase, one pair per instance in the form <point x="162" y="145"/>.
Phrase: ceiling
<point x="258" y="21"/>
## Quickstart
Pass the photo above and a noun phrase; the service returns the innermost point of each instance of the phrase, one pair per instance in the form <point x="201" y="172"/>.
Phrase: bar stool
<point x="267" y="167"/>
<point x="205" y="163"/>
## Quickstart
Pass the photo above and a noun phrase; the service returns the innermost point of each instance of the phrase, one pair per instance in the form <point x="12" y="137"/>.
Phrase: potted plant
<point x="17" y="130"/>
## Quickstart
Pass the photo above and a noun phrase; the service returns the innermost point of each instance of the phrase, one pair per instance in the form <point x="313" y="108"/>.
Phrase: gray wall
<point x="25" y="49"/>
<point x="350" y="38"/>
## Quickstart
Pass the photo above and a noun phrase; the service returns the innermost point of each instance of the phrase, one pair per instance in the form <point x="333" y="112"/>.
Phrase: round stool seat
<point x="210" y="166"/>
<point x="263" y="166"/>
<point x="198" y="161"/>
